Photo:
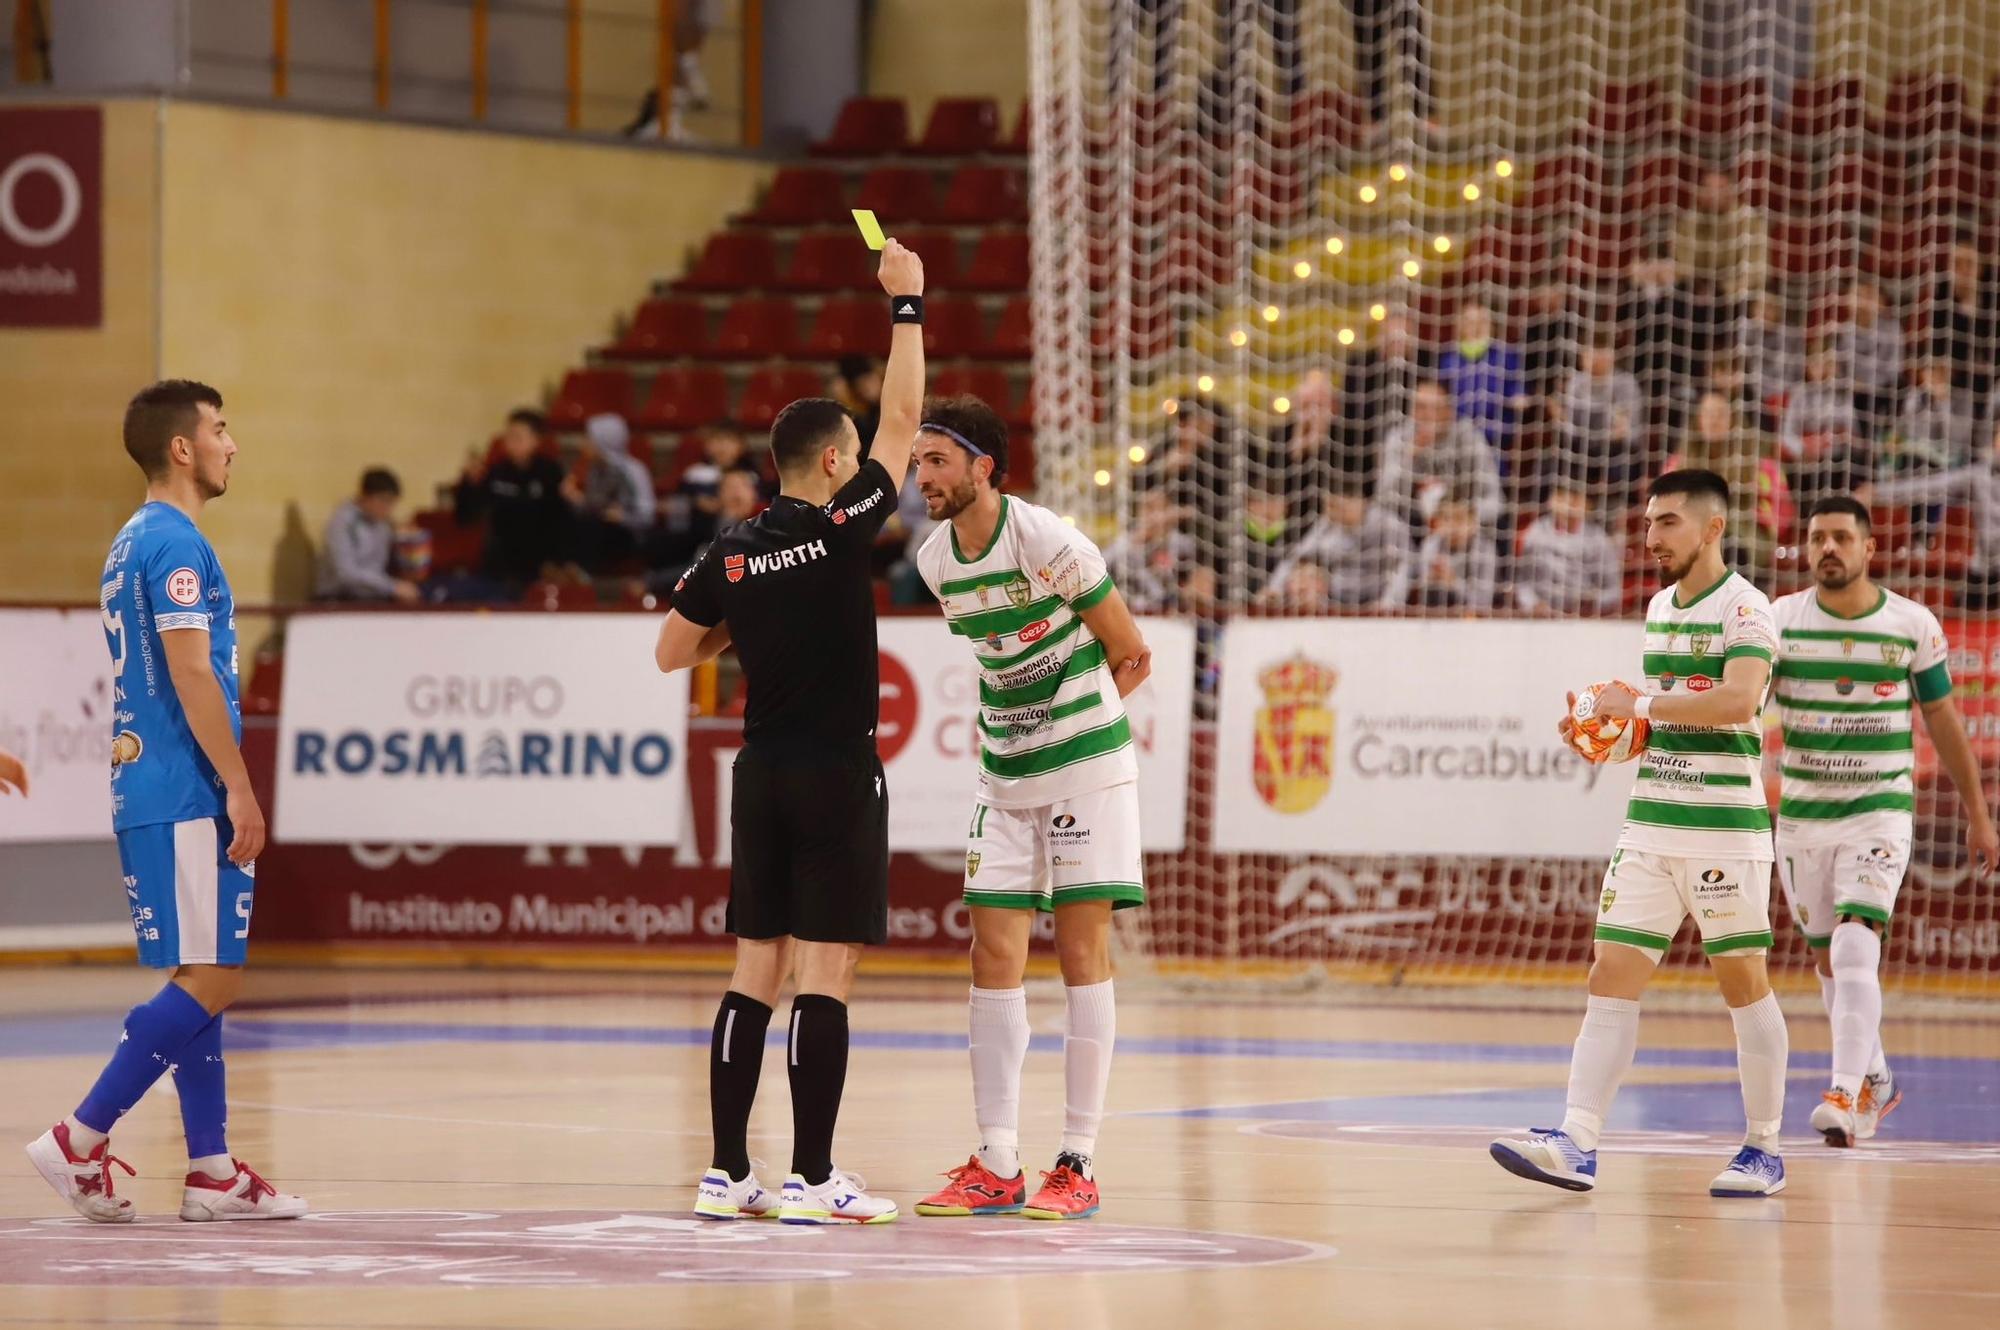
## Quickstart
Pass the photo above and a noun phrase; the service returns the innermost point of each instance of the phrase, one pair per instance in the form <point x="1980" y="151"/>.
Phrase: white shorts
<point x="1084" y="848"/>
<point x="1857" y="878"/>
<point x="1647" y="896"/>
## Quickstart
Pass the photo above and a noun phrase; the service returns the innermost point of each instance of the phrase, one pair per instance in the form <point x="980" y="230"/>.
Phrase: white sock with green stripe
<point x="1857" y="1005"/>
<point x="1603" y="1054"/>
<point x="1762" y="1050"/>
<point x="999" y="1022"/>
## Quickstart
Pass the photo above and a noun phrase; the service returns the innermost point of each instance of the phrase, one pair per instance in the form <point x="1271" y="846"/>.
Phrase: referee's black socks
<point x="817" y="1059"/>
<point x="735" y="1057"/>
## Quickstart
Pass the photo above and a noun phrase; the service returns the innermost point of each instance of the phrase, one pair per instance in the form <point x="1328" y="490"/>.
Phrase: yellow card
<point x="871" y="230"/>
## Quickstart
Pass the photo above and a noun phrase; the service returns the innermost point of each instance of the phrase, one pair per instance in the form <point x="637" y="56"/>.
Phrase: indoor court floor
<point x="520" y="1150"/>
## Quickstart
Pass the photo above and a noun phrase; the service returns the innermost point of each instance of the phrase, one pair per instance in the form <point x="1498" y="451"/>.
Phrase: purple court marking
<point x="597" y="1249"/>
<point x="1880" y="1151"/>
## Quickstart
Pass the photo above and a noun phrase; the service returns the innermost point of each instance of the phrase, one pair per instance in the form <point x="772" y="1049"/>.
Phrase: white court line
<point x="463" y="1122"/>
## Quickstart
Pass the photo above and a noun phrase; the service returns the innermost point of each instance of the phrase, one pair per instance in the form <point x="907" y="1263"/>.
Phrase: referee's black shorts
<point x="809" y="834"/>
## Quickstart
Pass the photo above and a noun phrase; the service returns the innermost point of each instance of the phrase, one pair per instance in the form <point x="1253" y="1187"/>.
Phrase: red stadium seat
<point x="867" y="127"/>
<point x="1775" y="182"/>
<point x="1812" y="246"/>
<point x="853" y="325"/>
<point x="829" y="261"/>
<point x="756" y="327"/>
<point x="999" y="264"/>
<point x="1828" y="111"/>
<point x="1323" y="120"/>
<point x="1723" y="111"/>
<point x="985" y="196"/>
<point x="1561" y="184"/>
<point x="1922" y="106"/>
<point x="1507" y="256"/>
<point x="1629" y="115"/>
<point x="939" y="251"/>
<point x="684" y="399"/>
<point x="988" y="383"/>
<point x="1017" y="143"/>
<point x="663" y="329"/>
<point x="1013" y="336"/>
<point x="1020" y="461"/>
<point x="954" y="327"/>
<point x="1661" y="183"/>
<point x="898" y="194"/>
<point x="733" y="261"/>
<point x="1910" y="251"/>
<point x="802" y="196"/>
<point x="1864" y="183"/>
<point x="590" y="392"/>
<point x="772" y="389"/>
<point x="1603" y="248"/>
<point x="959" y="127"/>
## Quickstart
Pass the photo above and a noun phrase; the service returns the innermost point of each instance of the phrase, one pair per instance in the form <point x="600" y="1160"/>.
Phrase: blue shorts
<point x="190" y="905"/>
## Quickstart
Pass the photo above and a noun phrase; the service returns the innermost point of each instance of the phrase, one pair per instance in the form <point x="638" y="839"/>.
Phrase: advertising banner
<point x="51" y="217"/>
<point x="56" y="712"/>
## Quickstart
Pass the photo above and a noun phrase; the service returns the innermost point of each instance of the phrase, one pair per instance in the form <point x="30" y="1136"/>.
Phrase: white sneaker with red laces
<point x="245" y="1196"/>
<point x="84" y="1182"/>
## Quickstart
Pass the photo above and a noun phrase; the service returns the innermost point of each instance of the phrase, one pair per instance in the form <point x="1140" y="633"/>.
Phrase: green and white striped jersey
<point x="1844" y="688"/>
<point x="1700" y="790"/>
<point x="1050" y="719"/>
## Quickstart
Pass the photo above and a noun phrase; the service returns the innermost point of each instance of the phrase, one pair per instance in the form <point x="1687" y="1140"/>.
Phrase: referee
<point x="809" y="877"/>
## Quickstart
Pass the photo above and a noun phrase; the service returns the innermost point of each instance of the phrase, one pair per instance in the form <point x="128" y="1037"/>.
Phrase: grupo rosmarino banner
<point x="502" y="729"/>
<point x="57" y="708"/>
<point x="1414" y="736"/>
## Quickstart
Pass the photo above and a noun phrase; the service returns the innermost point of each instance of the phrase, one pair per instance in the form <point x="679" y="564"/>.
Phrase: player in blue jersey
<point x="188" y="824"/>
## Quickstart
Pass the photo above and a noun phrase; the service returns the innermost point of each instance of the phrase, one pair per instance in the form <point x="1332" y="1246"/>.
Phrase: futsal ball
<point x="1604" y="738"/>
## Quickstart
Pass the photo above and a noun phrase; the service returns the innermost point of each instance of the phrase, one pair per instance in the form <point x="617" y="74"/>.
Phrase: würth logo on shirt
<point x="794" y="557"/>
<point x="732" y="567"/>
<point x="840" y="515"/>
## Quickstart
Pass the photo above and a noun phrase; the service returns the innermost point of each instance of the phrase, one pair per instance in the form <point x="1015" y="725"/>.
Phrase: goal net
<point x="1361" y="327"/>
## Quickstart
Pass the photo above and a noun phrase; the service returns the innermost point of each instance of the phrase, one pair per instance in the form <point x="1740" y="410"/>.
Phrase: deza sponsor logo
<point x="532" y="742"/>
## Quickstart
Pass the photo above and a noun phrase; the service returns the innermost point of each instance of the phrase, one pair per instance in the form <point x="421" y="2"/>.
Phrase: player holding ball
<point x="1697" y="840"/>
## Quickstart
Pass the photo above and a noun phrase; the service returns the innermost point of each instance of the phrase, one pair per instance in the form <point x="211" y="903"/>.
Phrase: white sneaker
<point x="721" y="1197"/>
<point x="1546" y="1155"/>
<point x="1879" y="1097"/>
<point x="83" y="1182"/>
<point x="1752" y="1172"/>
<point x="691" y="79"/>
<point x="1834" y="1118"/>
<point x="841" y="1199"/>
<point x="245" y="1196"/>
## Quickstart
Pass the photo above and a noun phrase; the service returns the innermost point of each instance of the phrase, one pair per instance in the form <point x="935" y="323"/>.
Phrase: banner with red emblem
<point x="1414" y="736"/>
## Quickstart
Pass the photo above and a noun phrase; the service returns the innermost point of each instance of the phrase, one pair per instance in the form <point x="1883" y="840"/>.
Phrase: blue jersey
<point x="162" y="575"/>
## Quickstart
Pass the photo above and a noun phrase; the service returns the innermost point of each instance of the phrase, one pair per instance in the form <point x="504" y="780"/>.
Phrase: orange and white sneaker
<point x="245" y="1196"/>
<point x="1878" y="1099"/>
<point x="1067" y="1193"/>
<point x="974" y="1189"/>
<point x="1833" y="1118"/>
<point x="83" y="1181"/>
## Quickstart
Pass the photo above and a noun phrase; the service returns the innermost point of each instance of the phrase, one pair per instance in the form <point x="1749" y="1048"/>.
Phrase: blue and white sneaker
<point x="841" y="1199"/>
<point x="1753" y="1172"/>
<point x="1546" y="1155"/>
<point x="723" y="1197"/>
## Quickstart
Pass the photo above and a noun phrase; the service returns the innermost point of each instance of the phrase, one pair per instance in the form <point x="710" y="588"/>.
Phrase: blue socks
<point x="198" y="1076"/>
<point x="155" y="1032"/>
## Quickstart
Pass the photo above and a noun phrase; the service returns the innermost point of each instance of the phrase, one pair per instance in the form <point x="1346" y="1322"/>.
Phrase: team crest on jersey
<point x="1892" y="653"/>
<point x="1846" y="646"/>
<point x="1019" y="593"/>
<point x="972" y="863"/>
<point x="1293" y="761"/>
<point x="1610" y="896"/>
<point x="126" y="748"/>
<point x="732" y="567"/>
<point x="1698" y="644"/>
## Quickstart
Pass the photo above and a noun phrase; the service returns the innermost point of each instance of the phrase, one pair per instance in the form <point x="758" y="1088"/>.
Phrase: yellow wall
<point x="380" y="294"/>
<point x="922" y="50"/>
<point x="65" y="482"/>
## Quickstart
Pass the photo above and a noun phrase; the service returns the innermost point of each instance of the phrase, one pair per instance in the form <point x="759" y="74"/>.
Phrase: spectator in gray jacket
<point x="1427" y="455"/>
<point x="1457" y="565"/>
<point x="1568" y="566"/>
<point x="1820" y="436"/>
<point x="1869" y="349"/>
<point x="356" y="555"/>
<point x="1356" y="556"/>
<point x="1600" y="412"/>
<point x="615" y="502"/>
<point x="1151" y="558"/>
<point x="1976" y="487"/>
<point x="1939" y="425"/>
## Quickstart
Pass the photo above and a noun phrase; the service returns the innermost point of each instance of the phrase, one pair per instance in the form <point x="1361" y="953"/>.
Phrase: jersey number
<point x="114" y="624"/>
<point x="243" y="912"/>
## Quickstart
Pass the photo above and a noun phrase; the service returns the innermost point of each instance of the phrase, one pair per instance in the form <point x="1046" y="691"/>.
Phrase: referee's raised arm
<point x="902" y="276"/>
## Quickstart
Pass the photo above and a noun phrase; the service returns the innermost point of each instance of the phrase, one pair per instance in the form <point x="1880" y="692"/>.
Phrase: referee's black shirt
<point x="793" y="583"/>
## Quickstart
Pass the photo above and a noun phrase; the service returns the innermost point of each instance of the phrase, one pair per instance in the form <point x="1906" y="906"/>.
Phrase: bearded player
<point x="1852" y="657"/>
<point x="1697" y="840"/>
<point x="1055" y="816"/>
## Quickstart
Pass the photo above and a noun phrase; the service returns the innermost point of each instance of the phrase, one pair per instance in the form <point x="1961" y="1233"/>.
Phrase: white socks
<point x="1091" y="1030"/>
<point x="216" y="1166"/>
<point x="1856" y="1007"/>
<point x="82" y="1139"/>
<point x="999" y="1022"/>
<point x="1762" y="1048"/>
<point x="1604" y="1049"/>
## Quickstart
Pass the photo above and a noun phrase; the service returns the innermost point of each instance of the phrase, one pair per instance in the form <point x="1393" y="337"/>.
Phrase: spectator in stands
<point x="1869" y="349"/>
<point x="1720" y="243"/>
<point x="1269" y="533"/>
<point x="857" y="386"/>
<point x="1671" y="329"/>
<point x="614" y="501"/>
<point x="692" y="20"/>
<point x="1549" y="344"/>
<point x="1760" y="501"/>
<point x="1457" y="565"/>
<point x="1484" y="377"/>
<point x="1965" y="322"/>
<point x="1151" y="558"/>
<point x="520" y="498"/>
<point x="722" y="450"/>
<point x="1975" y="486"/>
<point x="1599" y="418"/>
<point x="1193" y="462"/>
<point x="1773" y="349"/>
<point x="1235" y="22"/>
<point x="1375" y="389"/>
<point x="1938" y="425"/>
<point x="1767" y="40"/>
<point x="359" y="548"/>
<point x="739" y="497"/>
<point x="1376" y="22"/>
<point x="1431" y="453"/>
<point x="1360" y="552"/>
<point x="1306" y="446"/>
<point x="1568" y="566"/>
<point x="1820" y="437"/>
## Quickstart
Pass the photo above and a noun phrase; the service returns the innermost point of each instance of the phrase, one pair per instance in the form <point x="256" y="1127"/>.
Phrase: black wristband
<point x="906" y="309"/>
